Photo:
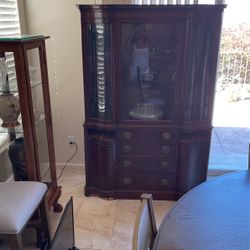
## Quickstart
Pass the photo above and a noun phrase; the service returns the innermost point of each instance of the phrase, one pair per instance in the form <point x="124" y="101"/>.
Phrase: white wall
<point x="61" y="21"/>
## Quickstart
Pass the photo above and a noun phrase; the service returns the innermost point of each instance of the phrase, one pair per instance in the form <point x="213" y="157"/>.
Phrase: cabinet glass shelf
<point x="19" y="129"/>
<point x="13" y="86"/>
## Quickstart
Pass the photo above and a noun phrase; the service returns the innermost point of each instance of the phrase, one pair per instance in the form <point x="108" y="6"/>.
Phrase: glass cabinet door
<point x="12" y="136"/>
<point x="97" y="52"/>
<point x="200" y="65"/>
<point x="149" y="78"/>
<point x="37" y="96"/>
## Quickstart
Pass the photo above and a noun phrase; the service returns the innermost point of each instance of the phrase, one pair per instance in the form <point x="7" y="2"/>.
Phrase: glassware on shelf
<point x="146" y="111"/>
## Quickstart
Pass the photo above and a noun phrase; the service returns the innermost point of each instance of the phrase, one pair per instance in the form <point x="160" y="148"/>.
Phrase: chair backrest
<point x="145" y="226"/>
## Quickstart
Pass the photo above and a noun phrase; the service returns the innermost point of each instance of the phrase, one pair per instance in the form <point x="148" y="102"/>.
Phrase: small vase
<point x="9" y="110"/>
<point x="18" y="159"/>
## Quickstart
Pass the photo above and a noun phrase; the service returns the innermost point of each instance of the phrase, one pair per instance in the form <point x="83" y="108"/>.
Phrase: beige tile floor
<point x="100" y="224"/>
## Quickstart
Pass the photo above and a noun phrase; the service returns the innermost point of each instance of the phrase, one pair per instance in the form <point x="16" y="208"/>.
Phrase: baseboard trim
<point x="71" y="165"/>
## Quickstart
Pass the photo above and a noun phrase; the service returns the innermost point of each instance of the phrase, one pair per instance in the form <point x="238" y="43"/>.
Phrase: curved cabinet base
<point x="121" y="194"/>
<point x="94" y="191"/>
<point x="167" y="164"/>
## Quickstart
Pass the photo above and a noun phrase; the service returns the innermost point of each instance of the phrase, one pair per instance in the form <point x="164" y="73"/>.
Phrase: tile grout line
<point x="110" y="245"/>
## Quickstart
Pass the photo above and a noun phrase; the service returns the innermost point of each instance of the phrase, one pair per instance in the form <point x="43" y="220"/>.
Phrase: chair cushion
<point x="18" y="201"/>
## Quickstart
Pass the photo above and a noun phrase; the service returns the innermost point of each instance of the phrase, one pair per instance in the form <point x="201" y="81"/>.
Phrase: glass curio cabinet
<point x="149" y="80"/>
<point x="25" y="113"/>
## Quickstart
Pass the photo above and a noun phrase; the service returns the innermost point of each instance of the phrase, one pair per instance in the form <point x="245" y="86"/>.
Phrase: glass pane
<point x="39" y="114"/>
<point x="198" y="79"/>
<point x="19" y="37"/>
<point x="149" y="58"/>
<point x="12" y="143"/>
<point x="97" y="68"/>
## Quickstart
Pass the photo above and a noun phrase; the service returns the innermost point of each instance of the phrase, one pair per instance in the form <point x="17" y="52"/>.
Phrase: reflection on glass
<point x="6" y="166"/>
<point x="38" y="109"/>
<point x="9" y="102"/>
<point x="100" y="70"/>
<point x="12" y="151"/>
<point x="98" y="54"/>
<point x="138" y="46"/>
<point x="7" y="58"/>
<point x="149" y="62"/>
<point x="199" y="93"/>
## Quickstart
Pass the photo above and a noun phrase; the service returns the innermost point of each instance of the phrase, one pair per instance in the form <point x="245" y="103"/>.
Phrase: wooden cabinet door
<point x="100" y="157"/>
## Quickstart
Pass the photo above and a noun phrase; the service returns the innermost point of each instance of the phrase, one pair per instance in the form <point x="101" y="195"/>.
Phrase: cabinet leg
<point x="57" y="208"/>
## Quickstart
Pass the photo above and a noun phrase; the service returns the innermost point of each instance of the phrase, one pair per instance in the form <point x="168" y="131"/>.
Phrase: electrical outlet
<point x="71" y="139"/>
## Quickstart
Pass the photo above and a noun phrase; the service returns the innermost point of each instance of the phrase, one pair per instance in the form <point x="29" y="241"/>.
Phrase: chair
<point x="19" y="201"/>
<point x="145" y="226"/>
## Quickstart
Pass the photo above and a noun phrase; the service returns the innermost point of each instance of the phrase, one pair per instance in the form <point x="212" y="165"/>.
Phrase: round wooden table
<point x="212" y="216"/>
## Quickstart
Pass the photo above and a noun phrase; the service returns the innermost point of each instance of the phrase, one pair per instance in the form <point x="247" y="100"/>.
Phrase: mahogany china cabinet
<point x="26" y="122"/>
<point x="149" y="82"/>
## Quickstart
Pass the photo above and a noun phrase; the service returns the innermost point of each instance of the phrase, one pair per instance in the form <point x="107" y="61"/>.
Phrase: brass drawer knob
<point x="166" y="136"/>
<point x="127" y="135"/>
<point x="165" y="149"/>
<point x="127" y="149"/>
<point x="127" y="164"/>
<point x="164" y="182"/>
<point x="127" y="181"/>
<point x="165" y="164"/>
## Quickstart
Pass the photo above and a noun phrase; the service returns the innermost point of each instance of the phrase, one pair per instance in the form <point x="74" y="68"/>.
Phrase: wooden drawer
<point x="143" y="181"/>
<point x="157" y="149"/>
<point x="164" y="136"/>
<point x="147" y="164"/>
<point x="147" y="135"/>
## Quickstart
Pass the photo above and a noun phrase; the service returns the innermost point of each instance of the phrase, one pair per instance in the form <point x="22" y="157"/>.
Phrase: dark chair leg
<point x="16" y="242"/>
<point x="44" y="212"/>
<point x="39" y="237"/>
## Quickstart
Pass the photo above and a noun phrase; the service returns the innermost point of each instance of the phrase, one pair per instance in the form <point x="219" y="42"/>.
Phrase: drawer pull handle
<point x="165" y="149"/>
<point x="166" y="136"/>
<point x="165" y="164"/>
<point x="127" y="164"/>
<point x="127" y="149"/>
<point x="164" y="182"/>
<point x="127" y="181"/>
<point x="127" y="135"/>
